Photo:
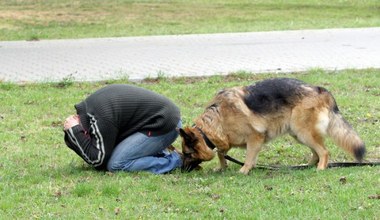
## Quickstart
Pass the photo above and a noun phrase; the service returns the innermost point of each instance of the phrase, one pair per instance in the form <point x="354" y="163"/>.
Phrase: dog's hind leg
<point x="254" y="145"/>
<point x="309" y="126"/>
<point x="315" y="158"/>
<point x="322" y="154"/>
<point x="315" y="142"/>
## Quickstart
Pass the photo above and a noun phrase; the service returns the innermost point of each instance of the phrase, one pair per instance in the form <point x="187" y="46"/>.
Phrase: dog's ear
<point x="188" y="137"/>
<point x="182" y="133"/>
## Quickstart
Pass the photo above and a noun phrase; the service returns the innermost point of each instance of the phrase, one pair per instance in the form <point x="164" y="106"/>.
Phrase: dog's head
<point x="194" y="149"/>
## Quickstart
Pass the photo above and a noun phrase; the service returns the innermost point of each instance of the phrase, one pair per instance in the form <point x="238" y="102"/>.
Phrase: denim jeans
<point x="140" y="152"/>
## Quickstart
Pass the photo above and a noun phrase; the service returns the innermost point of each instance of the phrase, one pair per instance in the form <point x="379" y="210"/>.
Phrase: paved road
<point x="188" y="55"/>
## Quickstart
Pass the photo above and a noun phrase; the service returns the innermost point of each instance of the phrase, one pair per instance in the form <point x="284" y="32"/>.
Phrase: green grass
<point x="53" y="19"/>
<point x="40" y="178"/>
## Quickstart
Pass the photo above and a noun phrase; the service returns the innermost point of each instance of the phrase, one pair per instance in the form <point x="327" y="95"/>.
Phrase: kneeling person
<point x="124" y="127"/>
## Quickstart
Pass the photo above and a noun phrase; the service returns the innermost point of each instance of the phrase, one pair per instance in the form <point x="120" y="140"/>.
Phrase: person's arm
<point x="95" y="145"/>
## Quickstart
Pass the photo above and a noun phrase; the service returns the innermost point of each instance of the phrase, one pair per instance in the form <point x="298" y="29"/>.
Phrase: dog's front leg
<point x="253" y="148"/>
<point x="222" y="162"/>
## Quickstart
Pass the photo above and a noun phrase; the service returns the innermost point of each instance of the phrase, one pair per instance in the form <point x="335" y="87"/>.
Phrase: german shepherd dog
<point x="250" y="116"/>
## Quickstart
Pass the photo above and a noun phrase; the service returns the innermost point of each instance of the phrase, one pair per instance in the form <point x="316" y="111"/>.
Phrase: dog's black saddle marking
<point x="272" y="95"/>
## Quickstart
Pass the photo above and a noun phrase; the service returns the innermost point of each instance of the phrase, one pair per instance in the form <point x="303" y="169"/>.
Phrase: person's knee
<point x="114" y="165"/>
<point x="111" y="166"/>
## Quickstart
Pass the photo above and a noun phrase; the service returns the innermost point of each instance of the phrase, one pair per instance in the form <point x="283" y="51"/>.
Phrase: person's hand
<point x="71" y="121"/>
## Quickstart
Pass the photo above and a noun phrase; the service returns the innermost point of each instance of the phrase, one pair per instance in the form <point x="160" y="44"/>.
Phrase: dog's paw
<point x="244" y="170"/>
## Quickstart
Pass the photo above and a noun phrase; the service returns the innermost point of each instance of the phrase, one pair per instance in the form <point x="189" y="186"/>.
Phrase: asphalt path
<point x="137" y="58"/>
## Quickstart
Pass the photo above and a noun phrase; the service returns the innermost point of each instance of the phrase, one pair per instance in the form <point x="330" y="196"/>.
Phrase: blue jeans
<point x="140" y="152"/>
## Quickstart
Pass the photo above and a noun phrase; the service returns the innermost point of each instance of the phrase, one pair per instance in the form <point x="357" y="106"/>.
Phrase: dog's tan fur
<point x="228" y="122"/>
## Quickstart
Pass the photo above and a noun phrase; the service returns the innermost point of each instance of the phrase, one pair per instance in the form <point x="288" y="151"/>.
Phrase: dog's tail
<point x="344" y="135"/>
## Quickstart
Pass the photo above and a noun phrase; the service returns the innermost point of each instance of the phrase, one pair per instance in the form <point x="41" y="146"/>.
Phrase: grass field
<point x="56" y="19"/>
<point x="40" y="178"/>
